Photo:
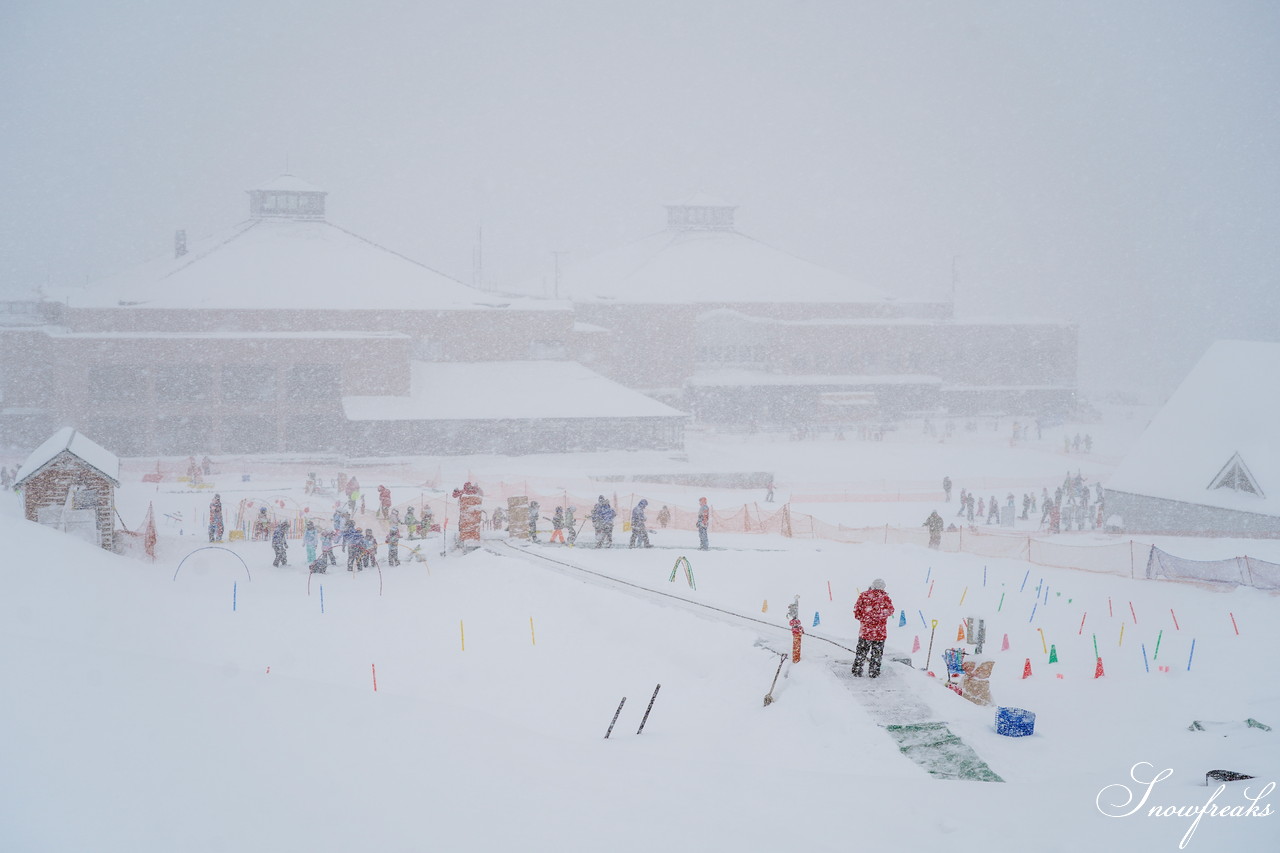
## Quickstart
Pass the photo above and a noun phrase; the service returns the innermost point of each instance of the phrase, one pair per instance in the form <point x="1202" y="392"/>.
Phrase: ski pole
<point x="929" y="654"/>
<point x="645" y="719"/>
<point x="615" y="717"/>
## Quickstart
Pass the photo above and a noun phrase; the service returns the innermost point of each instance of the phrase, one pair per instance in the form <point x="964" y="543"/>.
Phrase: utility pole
<point x="556" y="255"/>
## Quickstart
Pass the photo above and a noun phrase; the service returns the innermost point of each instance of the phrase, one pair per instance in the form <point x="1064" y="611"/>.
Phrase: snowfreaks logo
<point x="1125" y="809"/>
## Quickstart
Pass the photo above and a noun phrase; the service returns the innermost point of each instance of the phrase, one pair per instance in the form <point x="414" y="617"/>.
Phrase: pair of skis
<point x="614" y="721"/>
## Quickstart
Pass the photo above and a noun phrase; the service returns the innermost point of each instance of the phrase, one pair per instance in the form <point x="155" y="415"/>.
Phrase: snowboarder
<point x="639" y="532"/>
<point x="872" y="610"/>
<point x="704" y="521"/>
<point x="934" y="523"/>
<point x="946" y="487"/>
<point x="602" y="515"/>
<point x="215" y="518"/>
<point x="310" y="538"/>
<point x="393" y="546"/>
<point x="280" y="544"/>
<point x="664" y="516"/>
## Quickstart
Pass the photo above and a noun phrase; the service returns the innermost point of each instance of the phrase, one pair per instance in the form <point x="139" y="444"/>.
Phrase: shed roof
<point x="77" y="444"/>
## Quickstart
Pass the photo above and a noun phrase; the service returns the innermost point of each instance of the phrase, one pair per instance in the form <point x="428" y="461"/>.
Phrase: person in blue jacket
<point x="602" y="515"/>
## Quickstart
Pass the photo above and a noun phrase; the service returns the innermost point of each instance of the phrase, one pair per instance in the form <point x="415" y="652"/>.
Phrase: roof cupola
<point x="700" y="213"/>
<point x="287" y="197"/>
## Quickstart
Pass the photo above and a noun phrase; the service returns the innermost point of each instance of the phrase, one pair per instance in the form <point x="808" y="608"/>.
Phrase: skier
<point x="280" y="544"/>
<point x="534" y="507"/>
<point x="411" y="523"/>
<point x="207" y="465"/>
<point x="873" y="609"/>
<point x="964" y="502"/>
<point x="353" y="541"/>
<point x="993" y="512"/>
<point x="768" y="497"/>
<point x="384" y="502"/>
<point x="310" y="537"/>
<point x="704" y="521"/>
<point x="570" y="524"/>
<point x="934" y="523"/>
<point x="393" y="546"/>
<point x="215" y="518"/>
<point x="602" y="515"/>
<point x="262" y="526"/>
<point x="639" y="532"/>
<point x="326" y="548"/>
<point x="969" y="510"/>
<point x="557" y="526"/>
<point x="982" y="508"/>
<point x="946" y="487"/>
<point x="664" y="516"/>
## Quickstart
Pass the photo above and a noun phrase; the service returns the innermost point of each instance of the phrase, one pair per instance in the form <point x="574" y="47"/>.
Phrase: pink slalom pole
<point x="374" y="667"/>
<point x="829" y="598"/>
<point x="1082" y="618"/>
<point x="1175" y="619"/>
<point x="1233" y="623"/>
<point x="1131" y="613"/>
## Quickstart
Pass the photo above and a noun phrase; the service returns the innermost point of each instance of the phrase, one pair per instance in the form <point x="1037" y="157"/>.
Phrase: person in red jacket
<point x="873" y="609"/>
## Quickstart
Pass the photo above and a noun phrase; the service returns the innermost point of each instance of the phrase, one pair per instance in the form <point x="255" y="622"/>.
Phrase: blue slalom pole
<point x="1024" y="581"/>
<point x="1193" y="654"/>
<point x="1145" y="665"/>
<point x="233" y="596"/>
<point x="984" y="575"/>
<point x="1033" y="611"/>
<point x="926" y="574"/>
<point x="322" y="598"/>
<point x="922" y="622"/>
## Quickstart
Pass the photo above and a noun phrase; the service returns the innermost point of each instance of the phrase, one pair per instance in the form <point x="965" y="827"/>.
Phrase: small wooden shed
<point x="69" y="482"/>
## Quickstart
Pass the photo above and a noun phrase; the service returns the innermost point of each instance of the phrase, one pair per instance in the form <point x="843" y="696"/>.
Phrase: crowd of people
<point x="1074" y="505"/>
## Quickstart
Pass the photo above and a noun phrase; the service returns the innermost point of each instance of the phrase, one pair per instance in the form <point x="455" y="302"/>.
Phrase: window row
<point x="194" y="382"/>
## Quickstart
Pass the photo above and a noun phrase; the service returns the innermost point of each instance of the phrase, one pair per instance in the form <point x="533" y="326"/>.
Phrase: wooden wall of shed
<point x="49" y="488"/>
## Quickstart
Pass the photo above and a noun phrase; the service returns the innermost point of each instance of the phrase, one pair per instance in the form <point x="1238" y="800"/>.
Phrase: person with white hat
<point x="873" y="609"/>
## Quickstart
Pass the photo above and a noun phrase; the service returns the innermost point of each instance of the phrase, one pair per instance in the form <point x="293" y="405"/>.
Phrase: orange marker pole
<point x="463" y="632"/>
<point x="374" y="667"/>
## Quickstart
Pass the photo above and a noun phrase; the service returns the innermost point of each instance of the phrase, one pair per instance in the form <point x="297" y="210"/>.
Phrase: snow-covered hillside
<point x="227" y="708"/>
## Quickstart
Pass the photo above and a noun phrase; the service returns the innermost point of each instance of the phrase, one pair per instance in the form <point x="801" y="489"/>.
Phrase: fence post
<point x="1029" y="548"/>
<point x="886" y="534"/>
<point x="746" y="519"/>
<point x="1131" y="567"/>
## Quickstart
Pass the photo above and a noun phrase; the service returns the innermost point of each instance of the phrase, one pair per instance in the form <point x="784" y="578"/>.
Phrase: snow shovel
<point x="768" y="697"/>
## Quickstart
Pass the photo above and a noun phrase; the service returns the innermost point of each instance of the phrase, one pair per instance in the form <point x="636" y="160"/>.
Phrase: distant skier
<point x="934" y="523"/>
<point x="602" y="515"/>
<point x="557" y="526"/>
<point x="639" y="530"/>
<point x="704" y="521"/>
<point x="215" y="518"/>
<point x="534" y="508"/>
<point x="326" y="548"/>
<point x="393" y="546"/>
<point x="280" y="544"/>
<point x="664" y="516"/>
<point x="946" y="487"/>
<point x="873" y="609"/>
<point x="310" y="538"/>
<point x="570" y="524"/>
<point x="384" y="502"/>
<point x="410" y="524"/>
<point x="964" y="502"/>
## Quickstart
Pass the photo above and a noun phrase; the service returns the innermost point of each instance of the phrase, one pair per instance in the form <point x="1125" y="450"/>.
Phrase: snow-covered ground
<point x="234" y="708"/>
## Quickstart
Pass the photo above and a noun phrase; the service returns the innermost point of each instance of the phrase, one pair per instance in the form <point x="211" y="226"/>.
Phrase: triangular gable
<point x="69" y="440"/>
<point x="1236" y="475"/>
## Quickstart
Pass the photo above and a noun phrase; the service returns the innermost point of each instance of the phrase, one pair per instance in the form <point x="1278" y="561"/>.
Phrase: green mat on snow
<point x="943" y="754"/>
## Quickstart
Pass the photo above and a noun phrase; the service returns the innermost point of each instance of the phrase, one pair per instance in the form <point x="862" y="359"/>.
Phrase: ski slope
<point x="224" y="709"/>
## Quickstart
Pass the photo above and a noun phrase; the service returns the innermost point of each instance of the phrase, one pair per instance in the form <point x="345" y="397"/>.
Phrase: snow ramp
<point x="891" y="702"/>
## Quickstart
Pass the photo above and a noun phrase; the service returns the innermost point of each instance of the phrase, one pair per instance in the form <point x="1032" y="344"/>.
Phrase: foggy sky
<point x="1111" y="163"/>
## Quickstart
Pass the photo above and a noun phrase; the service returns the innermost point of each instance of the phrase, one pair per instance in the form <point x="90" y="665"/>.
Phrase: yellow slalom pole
<point x="532" y="637"/>
<point x="1043" y="644"/>
<point x="963" y="594"/>
<point x="463" y="632"/>
<point x="1121" y="643"/>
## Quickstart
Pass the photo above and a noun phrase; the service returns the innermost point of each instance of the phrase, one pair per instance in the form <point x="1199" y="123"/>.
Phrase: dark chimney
<point x="179" y="243"/>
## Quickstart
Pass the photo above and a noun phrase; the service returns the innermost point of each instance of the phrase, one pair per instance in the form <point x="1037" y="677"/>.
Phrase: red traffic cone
<point x="1026" y="669"/>
<point x="915" y="647"/>
<point x="1004" y="647"/>
<point x="1097" y="670"/>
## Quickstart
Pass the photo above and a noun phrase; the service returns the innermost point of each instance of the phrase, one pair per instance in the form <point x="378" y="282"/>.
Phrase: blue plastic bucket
<point x="1015" y="722"/>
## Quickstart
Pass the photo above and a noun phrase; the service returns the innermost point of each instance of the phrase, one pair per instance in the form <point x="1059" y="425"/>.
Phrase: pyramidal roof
<point x="700" y="258"/>
<point x="285" y="257"/>
<point x="1214" y="442"/>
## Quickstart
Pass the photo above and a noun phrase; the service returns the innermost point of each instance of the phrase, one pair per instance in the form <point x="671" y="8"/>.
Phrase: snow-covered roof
<point x="1227" y="405"/>
<point x="289" y="183"/>
<point x="62" y="332"/>
<point x="701" y="199"/>
<point x="698" y="267"/>
<point x="507" y="390"/>
<point x="285" y="264"/>
<point x="730" y="377"/>
<point x="78" y="445"/>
